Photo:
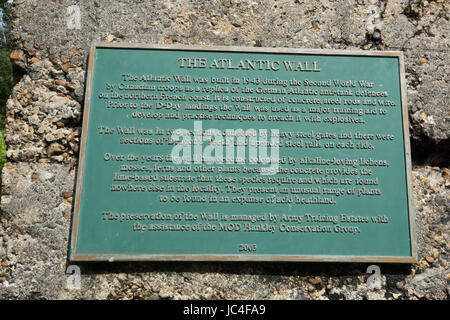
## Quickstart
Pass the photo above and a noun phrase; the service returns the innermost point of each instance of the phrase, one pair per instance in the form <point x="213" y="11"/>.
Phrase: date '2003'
<point x="248" y="247"/>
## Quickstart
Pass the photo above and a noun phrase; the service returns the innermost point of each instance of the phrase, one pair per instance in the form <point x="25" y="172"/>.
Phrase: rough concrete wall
<point x="43" y="131"/>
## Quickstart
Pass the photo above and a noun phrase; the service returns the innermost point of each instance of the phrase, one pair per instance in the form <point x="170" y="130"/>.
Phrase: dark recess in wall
<point x="426" y="152"/>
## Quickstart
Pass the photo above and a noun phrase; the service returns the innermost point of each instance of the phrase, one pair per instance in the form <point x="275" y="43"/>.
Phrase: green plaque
<point x="244" y="154"/>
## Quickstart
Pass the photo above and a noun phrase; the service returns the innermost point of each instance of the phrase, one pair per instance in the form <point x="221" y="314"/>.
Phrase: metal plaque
<point x="243" y="154"/>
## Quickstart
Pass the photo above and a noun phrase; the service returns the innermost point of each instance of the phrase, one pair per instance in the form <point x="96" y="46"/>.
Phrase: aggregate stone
<point x="32" y="125"/>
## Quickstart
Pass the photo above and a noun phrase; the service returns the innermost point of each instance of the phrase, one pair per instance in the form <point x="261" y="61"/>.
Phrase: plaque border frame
<point x="74" y="256"/>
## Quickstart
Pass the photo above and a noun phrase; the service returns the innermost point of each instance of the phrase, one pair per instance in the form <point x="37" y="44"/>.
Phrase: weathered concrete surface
<point x="37" y="207"/>
<point x="35" y="233"/>
<point x="418" y="28"/>
<point x="43" y="129"/>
